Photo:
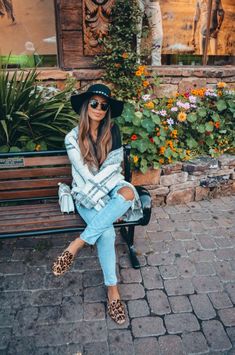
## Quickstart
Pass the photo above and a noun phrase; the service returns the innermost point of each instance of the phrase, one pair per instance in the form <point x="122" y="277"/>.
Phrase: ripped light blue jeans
<point x="100" y="230"/>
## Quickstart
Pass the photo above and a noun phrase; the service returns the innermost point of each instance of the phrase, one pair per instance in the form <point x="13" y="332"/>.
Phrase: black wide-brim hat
<point x="116" y="106"/>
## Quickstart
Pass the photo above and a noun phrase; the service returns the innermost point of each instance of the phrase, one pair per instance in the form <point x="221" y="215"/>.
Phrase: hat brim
<point x="116" y="106"/>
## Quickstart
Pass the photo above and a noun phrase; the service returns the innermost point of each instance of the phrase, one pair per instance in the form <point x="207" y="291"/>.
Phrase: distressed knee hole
<point x="127" y="193"/>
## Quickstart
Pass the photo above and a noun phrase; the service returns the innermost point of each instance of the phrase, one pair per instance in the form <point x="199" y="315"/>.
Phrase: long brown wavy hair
<point x="104" y="138"/>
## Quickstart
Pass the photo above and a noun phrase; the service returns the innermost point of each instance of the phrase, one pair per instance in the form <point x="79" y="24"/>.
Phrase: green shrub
<point x="32" y="117"/>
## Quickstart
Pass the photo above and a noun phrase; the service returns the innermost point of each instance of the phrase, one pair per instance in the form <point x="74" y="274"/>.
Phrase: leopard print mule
<point x="116" y="311"/>
<point x="62" y="263"/>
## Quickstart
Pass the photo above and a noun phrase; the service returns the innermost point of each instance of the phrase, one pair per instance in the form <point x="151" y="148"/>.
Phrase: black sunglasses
<point x="95" y="103"/>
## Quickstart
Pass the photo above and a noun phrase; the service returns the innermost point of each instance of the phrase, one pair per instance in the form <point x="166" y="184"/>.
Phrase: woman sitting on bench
<point x="101" y="194"/>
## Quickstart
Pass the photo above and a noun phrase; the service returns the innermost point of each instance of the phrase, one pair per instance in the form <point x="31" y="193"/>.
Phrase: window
<point x="179" y="27"/>
<point x="28" y="33"/>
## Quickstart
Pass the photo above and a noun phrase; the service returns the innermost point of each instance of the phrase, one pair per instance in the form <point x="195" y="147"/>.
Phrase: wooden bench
<point x="29" y="197"/>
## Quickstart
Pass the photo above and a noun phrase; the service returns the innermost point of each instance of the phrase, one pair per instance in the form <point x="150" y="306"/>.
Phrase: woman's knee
<point x="127" y="193"/>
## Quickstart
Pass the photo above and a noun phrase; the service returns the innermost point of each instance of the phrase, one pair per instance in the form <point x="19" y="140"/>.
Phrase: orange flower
<point x="145" y="83"/>
<point x="149" y="105"/>
<point x="161" y="161"/>
<point x="170" y="143"/>
<point x="174" y="133"/>
<point x="141" y="68"/>
<point x="220" y="93"/>
<point x="133" y="137"/>
<point x="138" y="73"/>
<point x="217" y="125"/>
<point x="182" y="116"/>
<point x="135" y="159"/>
<point x="221" y="85"/>
<point x="117" y="65"/>
<point x="38" y="147"/>
<point x="158" y="134"/>
<point x="162" y="150"/>
<point x="125" y="55"/>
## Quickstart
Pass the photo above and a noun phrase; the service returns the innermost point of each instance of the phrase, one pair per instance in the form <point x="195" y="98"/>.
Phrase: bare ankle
<point x="113" y="293"/>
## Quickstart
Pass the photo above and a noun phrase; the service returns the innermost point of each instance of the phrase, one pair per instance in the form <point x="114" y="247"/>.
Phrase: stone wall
<point x="172" y="78"/>
<point x="194" y="180"/>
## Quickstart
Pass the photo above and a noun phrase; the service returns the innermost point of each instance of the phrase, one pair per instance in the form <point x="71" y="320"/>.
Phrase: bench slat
<point x="51" y="205"/>
<point x="27" y="220"/>
<point x="32" y="183"/>
<point x="24" y="194"/>
<point x="58" y="224"/>
<point x="43" y="161"/>
<point x="30" y="172"/>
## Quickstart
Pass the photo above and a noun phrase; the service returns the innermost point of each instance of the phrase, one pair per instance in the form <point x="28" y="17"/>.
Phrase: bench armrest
<point x="146" y="203"/>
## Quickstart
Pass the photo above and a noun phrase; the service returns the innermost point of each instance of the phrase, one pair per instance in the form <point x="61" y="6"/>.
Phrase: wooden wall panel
<point x="71" y="19"/>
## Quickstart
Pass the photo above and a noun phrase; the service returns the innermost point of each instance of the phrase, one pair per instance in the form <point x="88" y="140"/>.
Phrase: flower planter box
<point x="151" y="177"/>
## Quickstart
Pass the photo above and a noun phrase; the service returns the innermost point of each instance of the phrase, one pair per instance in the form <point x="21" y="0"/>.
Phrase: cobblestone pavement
<point x="181" y="301"/>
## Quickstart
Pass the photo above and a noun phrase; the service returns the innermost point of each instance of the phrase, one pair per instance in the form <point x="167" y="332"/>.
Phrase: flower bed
<point x="162" y="131"/>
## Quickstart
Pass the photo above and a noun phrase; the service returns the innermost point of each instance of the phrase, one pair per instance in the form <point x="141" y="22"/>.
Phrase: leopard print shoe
<point x="116" y="311"/>
<point x="62" y="263"/>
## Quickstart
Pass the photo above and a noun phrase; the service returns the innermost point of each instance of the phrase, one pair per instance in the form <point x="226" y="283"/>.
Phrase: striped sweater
<point x="91" y="187"/>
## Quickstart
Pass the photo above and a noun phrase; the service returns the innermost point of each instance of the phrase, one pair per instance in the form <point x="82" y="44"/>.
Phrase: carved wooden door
<point x="80" y="25"/>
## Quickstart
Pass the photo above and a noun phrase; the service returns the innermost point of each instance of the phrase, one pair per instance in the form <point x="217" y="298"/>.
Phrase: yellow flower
<point x="145" y="83"/>
<point x="38" y="147"/>
<point x="135" y="159"/>
<point x="149" y="105"/>
<point x="188" y="151"/>
<point x="141" y="68"/>
<point x="169" y="160"/>
<point x="162" y="150"/>
<point x="125" y="55"/>
<point x="221" y="85"/>
<point x="182" y="116"/>
<point x="174" y="133"/>
<point x="138" y="73"/>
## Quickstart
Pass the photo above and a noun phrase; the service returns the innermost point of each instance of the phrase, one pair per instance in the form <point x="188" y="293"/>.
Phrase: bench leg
<point x="128" y="235"/>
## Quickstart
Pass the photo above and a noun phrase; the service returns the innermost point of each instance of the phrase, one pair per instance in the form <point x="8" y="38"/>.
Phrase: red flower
<point x="186" y="95"/>
<point x="133" y="137"/>
<point x="151" y="139"/>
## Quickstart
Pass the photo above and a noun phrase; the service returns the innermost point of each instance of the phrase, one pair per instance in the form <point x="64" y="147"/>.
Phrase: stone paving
<point x="181" y="301"/>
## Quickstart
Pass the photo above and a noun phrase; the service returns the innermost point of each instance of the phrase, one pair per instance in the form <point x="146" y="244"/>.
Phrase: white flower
<point x="146" y="97"/>
<point x="170" y="121"/>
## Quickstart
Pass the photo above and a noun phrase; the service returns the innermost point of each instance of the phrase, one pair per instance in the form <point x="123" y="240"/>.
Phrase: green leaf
<point x="148" y="125"/>
<point x="155" y="118"/>
<point x="192" y="117"/>
<point x="143" y="166"/>
<point x="156" y="140"/>
<point x="14" y="149"/>
<point x="30" y="146"/>
<point x="209" y="127"/>
<point x="191" y="143"/>
<point x="215" y="117"/>
<point x="202" y="112"/>
<point x="143" y="145"/>
<point x="221" y="105"/>
<point x="201" y="128"/>
<point x="4" y="149"/>
<point x="4" y="125"/>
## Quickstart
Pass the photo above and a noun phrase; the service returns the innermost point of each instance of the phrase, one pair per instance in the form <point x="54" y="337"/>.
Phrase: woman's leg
<point x="121" y="200"/>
